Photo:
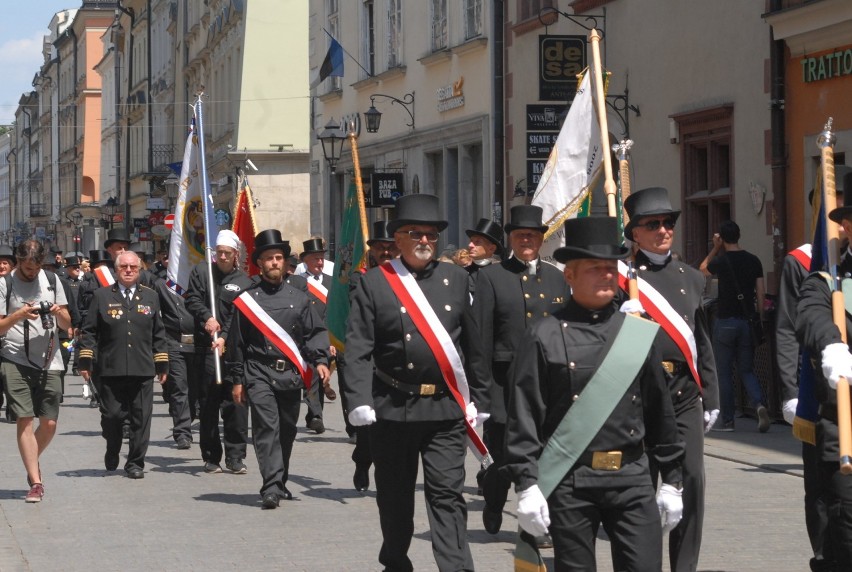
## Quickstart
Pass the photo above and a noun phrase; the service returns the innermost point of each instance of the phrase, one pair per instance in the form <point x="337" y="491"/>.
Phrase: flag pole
<point x="359" y="186"/>
<point x="207" y="201"/>
<point x="826" y="142"/>
<point x="600" y="102"/>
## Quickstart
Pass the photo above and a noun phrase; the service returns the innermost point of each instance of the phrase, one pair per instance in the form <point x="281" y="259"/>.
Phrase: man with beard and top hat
<point x="394" y="383"/>
<point x="319" y="283"/>
<point x="229" y="281"/>
<point x="832" y="361"/>
<point x="381" y="249"/>
<point x="275" y="343"/>
<point x="588" y="378"/>
<point x="791" y="363"/>
<point x="124" y="324"/>
<point x="510" y="297"/>
<point x="485" y="247"/>
<point x="671" y="293"/>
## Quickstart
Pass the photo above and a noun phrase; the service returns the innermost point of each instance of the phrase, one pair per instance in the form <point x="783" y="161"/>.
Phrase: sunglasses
<point x="417" y="235"/>
<point x="654" y="225"/>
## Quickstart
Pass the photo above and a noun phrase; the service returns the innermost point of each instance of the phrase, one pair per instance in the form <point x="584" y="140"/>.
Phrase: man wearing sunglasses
<point x="395" y="385"/>
<point x="673" y="297"/>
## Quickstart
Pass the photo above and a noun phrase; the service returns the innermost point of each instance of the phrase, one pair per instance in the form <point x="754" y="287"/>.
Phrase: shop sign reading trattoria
<point x="836" y="64"/>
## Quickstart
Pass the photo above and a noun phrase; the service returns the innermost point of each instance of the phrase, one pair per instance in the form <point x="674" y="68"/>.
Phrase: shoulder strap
<point x="8" y="279"/>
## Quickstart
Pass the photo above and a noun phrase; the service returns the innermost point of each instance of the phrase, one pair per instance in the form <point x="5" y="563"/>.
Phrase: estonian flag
<point x="332" y="65"/>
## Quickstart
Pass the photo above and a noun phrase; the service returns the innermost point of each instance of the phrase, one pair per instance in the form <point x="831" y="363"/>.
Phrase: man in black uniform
<point x="485" y="247"/>
<point x="405" y="398"/>
<point x="90" y="282"/>
<point x="57" y="264"/>
<point x="319" y="284"/>
<point x="816" y="331"/>
<point x="124" y="325"/>
<point x="275" y="338"/>
<point x="215" y="399"/>
<point x="691" y="377"/>
<point x="608" y="480"/>
<point x="510" y="297"/>
<point x="75" y="278"/>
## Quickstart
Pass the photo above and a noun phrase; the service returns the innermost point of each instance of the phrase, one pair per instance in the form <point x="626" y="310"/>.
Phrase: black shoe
<point x="236" y="466"/>
<point x="93" y="403"/>
<point x="361" y="478"/>
<point x="270" y="500"/>
<point x="135" y="474"/>
<point x="125" y="431"/>
<point x="184" y="443"/>
<point x="492" y="520"/>
<point x="286" y="495"/>
<point x="316" y="425"/>
<point x="110" y="461"/>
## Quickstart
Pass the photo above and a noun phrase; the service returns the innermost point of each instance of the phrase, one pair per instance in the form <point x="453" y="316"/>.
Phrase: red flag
<point x="245" y="227"/>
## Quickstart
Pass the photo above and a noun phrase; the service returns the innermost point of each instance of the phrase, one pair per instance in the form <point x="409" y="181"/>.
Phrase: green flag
<point x="348" y="258"/>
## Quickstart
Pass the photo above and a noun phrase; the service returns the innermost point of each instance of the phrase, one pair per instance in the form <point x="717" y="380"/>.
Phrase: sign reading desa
<point x="561" y="58"/>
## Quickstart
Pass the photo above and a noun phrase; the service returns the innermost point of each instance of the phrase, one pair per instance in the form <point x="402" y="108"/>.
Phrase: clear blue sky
<point x="22" y="28"/>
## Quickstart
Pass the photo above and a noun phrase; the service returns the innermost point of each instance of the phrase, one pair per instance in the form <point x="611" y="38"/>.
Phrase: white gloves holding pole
<point x="710" y="418"/>
<point x="533" y="514"/>
<point x="836" y="363"/>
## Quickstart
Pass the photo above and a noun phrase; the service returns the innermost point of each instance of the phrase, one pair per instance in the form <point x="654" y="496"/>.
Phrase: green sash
<point x="586" y="417"/>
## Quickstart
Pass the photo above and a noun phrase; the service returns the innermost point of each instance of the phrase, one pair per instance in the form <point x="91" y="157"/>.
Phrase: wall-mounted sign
<point x="561" y="58"/>
<point x="544" y="117"/>
<point x="140" y="222"/>
<point x="156" y="204"/>
<point x="451" y="96"/>
<point x="828" y="66"/>
<point x="385" y="189"/>
<point x="540" y="144"/>
<point x="223" y="217"/>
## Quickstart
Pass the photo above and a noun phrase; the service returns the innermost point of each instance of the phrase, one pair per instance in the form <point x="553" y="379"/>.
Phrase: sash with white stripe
<point x="662" y="312"/>
<point x="275" y="333"/>
<point x="430" y="327"/>
<point x="104" y="276"/>
<point x="803" y="255"/>
<point x="316" y="288"/>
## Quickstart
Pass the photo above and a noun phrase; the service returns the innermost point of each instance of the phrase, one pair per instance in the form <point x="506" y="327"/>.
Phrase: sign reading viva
<point x="451" y="96"/>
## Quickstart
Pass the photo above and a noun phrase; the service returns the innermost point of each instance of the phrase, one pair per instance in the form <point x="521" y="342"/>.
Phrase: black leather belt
<point x="675" y="367"/>
<point x="182" y="338"/>
<point x="276" y="364"/>
<point x="610" y="460"/>
<point x="422" y="389"/>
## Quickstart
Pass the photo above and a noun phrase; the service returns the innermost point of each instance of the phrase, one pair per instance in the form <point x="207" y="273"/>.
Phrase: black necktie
<point x="128" y="297"/>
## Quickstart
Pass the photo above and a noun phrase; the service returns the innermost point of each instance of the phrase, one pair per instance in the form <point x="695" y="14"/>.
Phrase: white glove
<point x="362" y="415"/>
<point x="632" y="307"/>
<point x="470" y="413"/>
<point x="670" y="503"/>
<point x="836" y="363"/>
<point x="710" y="418"/>
<point x="789" y="410"/>
<point x="533" y="514"/>
<point x="481" y="418"/>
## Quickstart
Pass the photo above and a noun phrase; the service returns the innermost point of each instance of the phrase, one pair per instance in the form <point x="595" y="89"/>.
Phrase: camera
<point x="46" y="317"/>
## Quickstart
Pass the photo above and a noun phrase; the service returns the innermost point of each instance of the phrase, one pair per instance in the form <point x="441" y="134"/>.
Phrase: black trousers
<point x="685" y="539"/>
<point x="837" y="489"/>
<point x="274" y="415"/>
<point x="131" y="397"/>
<point x="182" y="367"/>
<point x="361" y="454"/>
<point x="629" y="516"/>
<point x="397" y="449"/>
<point x="216" y="400"/>
<point x="315" y="399"/>
<point x="495" y="484"/>
<point x="816" y="511"/>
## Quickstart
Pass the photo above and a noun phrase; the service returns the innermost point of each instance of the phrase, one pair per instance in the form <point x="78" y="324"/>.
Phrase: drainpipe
<point x="780" y="240"/>
<point x="150" y="108"/>
<point x="73" y="34"/>
<point x="129" y="56"/>
<point x="29" y="188"/>
<point x="497" y="106"/>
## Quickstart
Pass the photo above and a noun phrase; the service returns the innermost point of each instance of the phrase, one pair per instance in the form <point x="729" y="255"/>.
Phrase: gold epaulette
<point x="87" y="353"/>
<point x="160" y="357"/>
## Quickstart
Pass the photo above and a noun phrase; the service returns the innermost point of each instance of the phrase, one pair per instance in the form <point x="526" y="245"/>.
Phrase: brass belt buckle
<point x="427" y="389"/>
<point x="280" y="365"/>
<point x="606" y="460"/>
<point x="669" y="366"/>
<point x="187" y="339"/>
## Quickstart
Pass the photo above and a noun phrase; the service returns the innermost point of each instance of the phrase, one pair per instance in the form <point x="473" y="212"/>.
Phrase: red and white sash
<point x="803" y="255"/>
<point x="430" y="327"/>
<point x="316" y="288"/>
<point x="669" y="319"/>
<point x="104" y="276"/>
<point x="275" y="333"/>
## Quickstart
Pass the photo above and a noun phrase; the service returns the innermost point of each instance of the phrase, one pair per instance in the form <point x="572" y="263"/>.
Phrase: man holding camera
<point x="35" y="309"/>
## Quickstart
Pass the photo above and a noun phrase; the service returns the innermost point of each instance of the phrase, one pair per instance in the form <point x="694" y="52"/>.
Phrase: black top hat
<point x="312" y="246"/>
<point x="647" y="202"/>
<point x="268" y="239"/>
<point x="525" y="216"/>
<point x="98" y="256"/>
<point x="489" y="230"/>
<point x="55" y="250"/>
<point x="837" y="214"/>
<point x="72" y="261"/>
<point x="417" y="209"/>
<point x="7" y="252"/>
<point x="380" y="233"/>
<point x="116" y="235"/>
<point x="591" y="237"/>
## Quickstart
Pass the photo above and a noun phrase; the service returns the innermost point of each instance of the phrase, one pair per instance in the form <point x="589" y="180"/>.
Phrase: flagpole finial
<point x="827" y="137"/>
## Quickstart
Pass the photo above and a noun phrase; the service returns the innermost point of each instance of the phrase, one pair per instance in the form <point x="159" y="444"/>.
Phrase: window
<point x="529" y="9"/>
<point x="472" y="18"/>
<point x="439" y="25"/>
<point x="368" y="47"/>
<point x="333" y="83"/>
<point x="707" y="183"/>
<point x="394" y="33"/>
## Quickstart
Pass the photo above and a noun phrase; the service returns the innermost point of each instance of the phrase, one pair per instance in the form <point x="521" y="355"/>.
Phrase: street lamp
<point x="374" y="116"/>
<point x="108" y="212"/>
<point x="77" y="220"/>
<point x="332" y="139"/>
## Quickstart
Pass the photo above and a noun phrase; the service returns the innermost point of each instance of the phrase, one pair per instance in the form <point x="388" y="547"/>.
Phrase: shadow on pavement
<point x="83" y="433"/>
<point x="96" y="472"/>
<point x="252" y="500"/>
